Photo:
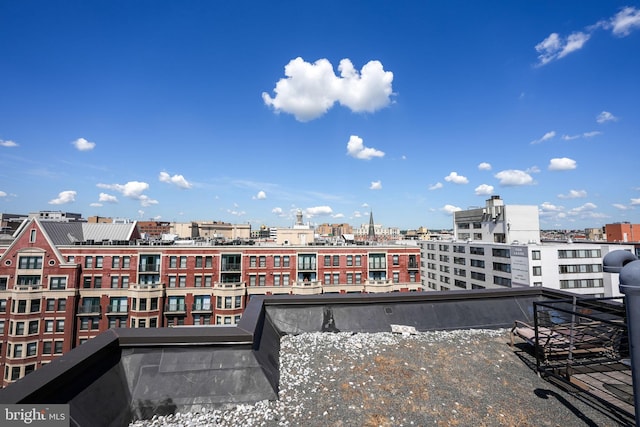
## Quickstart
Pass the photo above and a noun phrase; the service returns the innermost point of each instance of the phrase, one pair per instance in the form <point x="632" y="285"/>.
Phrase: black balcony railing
<point x="175" y="308"/>
<point x="149" y="268"/>
<point x="231" y="266"/>
<point x="93" y="308"/>
<point x="201" y="307"/>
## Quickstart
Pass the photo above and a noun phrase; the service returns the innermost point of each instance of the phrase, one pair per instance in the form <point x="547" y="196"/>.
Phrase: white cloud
<point x="583" y="208"/>
<point x="260" y="196"/>
<point x="140" y="213"/>
<point x="513" y="177"/>
<point x="562" y="164"/>
<point x="177" y="180"/>
<point x="570" y="137"/>
<point x="82" y="144"/>
<point x="573" y="194"/>
<point x="375" y="185"/>
<point x="635" y="202"/>
<point x="95" y="205"/>
<point x="132" y="190"/>
<point x="4" y="143"/>
<point x="591" y="134"/>
<point x="625" y="21"/>
<point x="484" y="190"/>
<point x="484" y="166"/>
<point x="108" y="198"/>
<point x="338" y="216"/>
<point x="3" y="194"/>
<point x="318" y="211"/>
<point x="620" y="206"/>
<point x="309" y="90"/>
<point x="436" y="186"/>
<point x="450" y="209"/>
<point x="547" y="136"/>
<point x="356" y="148"/>
<point x="533" y="169"/>
<point x="456" y="179"/>
<point x="549" y="207"/>
<point x="64" y="197"/>
<point x="606" y="116"/>
<point x="556" y="47"/>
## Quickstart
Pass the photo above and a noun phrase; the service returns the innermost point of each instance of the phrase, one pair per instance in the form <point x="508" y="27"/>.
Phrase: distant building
<point x="154" y="229"/>
<point x="333" y="230"/>
<point x="497" y="246"/>
<point x="9" y="223"/>
<point x="622" y="232"/>
<point x="56" y="216"/>
<point x="99" y="219"/>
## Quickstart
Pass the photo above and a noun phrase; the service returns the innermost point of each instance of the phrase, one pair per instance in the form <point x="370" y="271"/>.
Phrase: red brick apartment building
<point x="64" y="283"/>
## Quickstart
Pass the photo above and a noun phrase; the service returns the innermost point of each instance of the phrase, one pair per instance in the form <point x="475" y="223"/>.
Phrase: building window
<point x="57" y="283"/>
<point x="349" y="260"/>
<point x="62" y="304"/>
<point x="57" y="347"/>
<point x="98" y="262"/>
<point x="60" y="325"/>
<point x="263" y="261"/>
<point x="46" y="347"/>
<point x="32" y="236"/>
<point x="88" y="262"/>
<point x="327" y="278"/>
<point x="172" y="281"/>
<point x="182" y="281"/>
<point x="336" y="260"/>
<point x="336" y="278"/>
<point x="276" y="280"/>
<point x="114" y="281"/>
<point x="125" y="261"/>
<point x="208" y="261"/>
<point x="35" y="306"/>
<point x="227" y="302"/>
<point x="349" y="278"/>
<point x="183" y="262"/>
<point x="396" y="277"/>
<point x="154" y="304"/>
<point x="358" y="260"/>
<point x="197" y="281"/>
<point x="115" y="262"/>
<point x="173" y="262"/>
<point x="125" y="282"/>
<point x="396" y="260"/>
<point x="33" y="327"/>
<point x="537" y="271"/>
<point x="118" y="305"/>
<point x="207" y="281"/>
<point x="97" y="282"/>
<point x="535" y="255"/>
<point x="202" y="302"/>
<point x="198" y="261"/>
<point x="327" y="260"/>
<point x="238" y="301"/>
<point x="262" y="280"/>
<point x="30" y="263"/>
<point x="285" y="261"/>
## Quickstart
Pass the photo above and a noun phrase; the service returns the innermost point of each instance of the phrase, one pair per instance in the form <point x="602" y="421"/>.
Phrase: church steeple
<point x="372" y="229"/>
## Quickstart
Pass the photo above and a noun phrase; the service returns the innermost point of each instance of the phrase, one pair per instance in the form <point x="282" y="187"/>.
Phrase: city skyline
<point x="246" y="113"/>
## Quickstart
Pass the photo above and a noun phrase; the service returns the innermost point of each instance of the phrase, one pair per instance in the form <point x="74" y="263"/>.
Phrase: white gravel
<point x="462" y="377"/>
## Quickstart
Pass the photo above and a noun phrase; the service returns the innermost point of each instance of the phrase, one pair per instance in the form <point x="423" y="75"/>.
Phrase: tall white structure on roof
<point x="498" y="223"/>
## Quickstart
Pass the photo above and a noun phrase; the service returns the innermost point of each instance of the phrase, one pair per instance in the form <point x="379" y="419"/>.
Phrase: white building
<point x="499" y="246"/>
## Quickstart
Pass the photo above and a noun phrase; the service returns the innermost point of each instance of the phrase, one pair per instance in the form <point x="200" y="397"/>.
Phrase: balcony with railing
<point x="231" y="266"/>
<point x="307" y="287"/>
<point x="199" y="307"/>
<point x="149" y="268"/>
<point x="89" y="309"/>
<point x="378" y="285"/>
<point x="180" y="308"/>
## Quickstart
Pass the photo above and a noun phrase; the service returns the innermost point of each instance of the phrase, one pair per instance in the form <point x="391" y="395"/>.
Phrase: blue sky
<point x="248" y="111"/>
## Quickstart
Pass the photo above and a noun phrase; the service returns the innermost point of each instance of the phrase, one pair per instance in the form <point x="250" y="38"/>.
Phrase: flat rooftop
<point x="322" y="360"/>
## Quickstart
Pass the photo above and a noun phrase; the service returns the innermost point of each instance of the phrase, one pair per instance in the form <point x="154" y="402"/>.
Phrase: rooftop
<point x="324" y="360"/>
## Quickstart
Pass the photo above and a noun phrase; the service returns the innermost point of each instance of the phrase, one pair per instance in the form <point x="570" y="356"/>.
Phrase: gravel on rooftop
<point x="445" y="378"/>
